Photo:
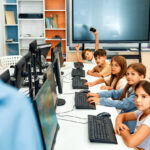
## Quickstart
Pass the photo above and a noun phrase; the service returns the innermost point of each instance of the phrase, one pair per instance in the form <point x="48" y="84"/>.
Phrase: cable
<point x="65" y="94"/>
<point x="72" y="116"/>
<point x="72" y="121"/>
<point x="67" y="111"/>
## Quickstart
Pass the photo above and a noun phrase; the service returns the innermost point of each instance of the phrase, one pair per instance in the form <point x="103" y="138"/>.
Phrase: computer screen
<point x="58" y="49"/>
<point x="117" y="21"/>
<point x="56" y="68"/>
<point x="20" y="69"/>
<point x="51" y="79"/>
<point x="33" y="46"/>
<point x="5" y="76"/>
<point x="46" y="110"/>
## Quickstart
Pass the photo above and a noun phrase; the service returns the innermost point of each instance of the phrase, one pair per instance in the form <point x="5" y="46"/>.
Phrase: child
<point x="87" y="54"/>
<point x="141" y="136"/>
<point x="124" y="98"/>
<point x="103" y="68"/>
<point x="117" y="79"/>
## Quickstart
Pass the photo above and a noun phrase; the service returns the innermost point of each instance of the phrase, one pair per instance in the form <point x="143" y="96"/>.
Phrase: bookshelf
<point x="10" y="27"/>
<point x="55" y="11"/>
<point x="30" y="27"/>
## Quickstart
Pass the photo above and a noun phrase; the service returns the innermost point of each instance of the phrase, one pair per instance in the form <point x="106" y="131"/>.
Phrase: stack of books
<point x="52" y="22"/>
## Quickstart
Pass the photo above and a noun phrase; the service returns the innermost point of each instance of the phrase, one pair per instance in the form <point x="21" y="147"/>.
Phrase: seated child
<point x="103" y="68"/>
<point x="117" y="79"/>
<point x="124" y="98"/>
<point x="87" y="54"/>
<point x="141" y="137"/>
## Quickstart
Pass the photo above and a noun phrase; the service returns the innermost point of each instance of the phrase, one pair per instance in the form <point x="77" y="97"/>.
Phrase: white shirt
<point x="146" y="121"/>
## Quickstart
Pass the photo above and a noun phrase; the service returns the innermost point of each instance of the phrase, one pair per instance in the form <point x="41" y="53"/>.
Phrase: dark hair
<point x="140" y="69"/>
<point x="99" y="52"/>
<point x="84" y="51"/>
<point x="145" y="85"/>
<point x="123" y="65"/>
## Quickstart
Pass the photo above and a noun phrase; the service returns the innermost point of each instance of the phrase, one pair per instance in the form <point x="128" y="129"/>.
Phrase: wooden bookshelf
<point x="56" y="7"/>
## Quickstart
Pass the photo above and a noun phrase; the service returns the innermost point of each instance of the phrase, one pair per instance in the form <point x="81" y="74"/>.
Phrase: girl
<point x="117" y="78"/>
<point x="141" y="136"/>
<point x="124" y="98"/>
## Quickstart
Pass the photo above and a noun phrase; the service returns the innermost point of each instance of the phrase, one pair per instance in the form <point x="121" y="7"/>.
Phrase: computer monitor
<point x="58" y="49"/>
<point x="20" y="69"/>
<point x="51" y="79"/>
<point x="33" y="46"/>
<point x="5" y="76"/>
<point x="56" y="67"/>
<point x="47" y="116"/>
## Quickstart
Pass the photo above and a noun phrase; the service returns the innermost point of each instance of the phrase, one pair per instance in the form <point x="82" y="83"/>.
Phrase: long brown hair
<point x="145" y="84"/>
<point x="121" y="61"/>
<point x="140" y="69"/>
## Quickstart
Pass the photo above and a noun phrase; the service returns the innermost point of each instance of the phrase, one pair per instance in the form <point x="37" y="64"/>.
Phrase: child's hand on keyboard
<point x="93" y="95"/>
<point x="93" y="100"/>
<point x="89" y="84"/>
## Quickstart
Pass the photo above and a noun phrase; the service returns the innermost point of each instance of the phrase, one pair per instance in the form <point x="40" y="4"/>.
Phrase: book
<point x="55" y="18"/>
<point x="10" y="17"/>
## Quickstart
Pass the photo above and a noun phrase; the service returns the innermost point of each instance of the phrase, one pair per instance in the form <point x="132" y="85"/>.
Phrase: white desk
<point x="73" y="135"/>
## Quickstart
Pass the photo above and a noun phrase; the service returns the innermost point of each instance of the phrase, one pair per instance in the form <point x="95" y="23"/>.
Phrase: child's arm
<point x="98" y="81"/>
<point x="96" y="40"/>
<point x="133" y="140"/>
<point x="120" y="119"/>
<point x="95" y="74"/>
<point x="78" y="55"/>
<point x="106" y="87"/>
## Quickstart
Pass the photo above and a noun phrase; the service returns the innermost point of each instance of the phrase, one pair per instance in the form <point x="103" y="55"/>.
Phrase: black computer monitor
<point x="56" y="68"/>
<point x="58" y="49"/>
<point x="47" y="116"/>
<point x="33" y="46"/>
<point x="19" y="75"/>
<point x="5" y="76"/>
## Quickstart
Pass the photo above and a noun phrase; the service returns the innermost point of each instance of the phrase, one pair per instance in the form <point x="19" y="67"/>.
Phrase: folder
<point x="10" y="17"/>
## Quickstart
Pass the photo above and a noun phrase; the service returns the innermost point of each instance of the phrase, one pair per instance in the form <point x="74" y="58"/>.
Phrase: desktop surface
<point x="73" y="133"/>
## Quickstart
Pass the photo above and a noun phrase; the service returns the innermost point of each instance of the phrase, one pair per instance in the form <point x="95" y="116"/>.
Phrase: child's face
<point x="88" y="55"/>
<point x="142" y="99"/>
<point x="133" y="77"/>
<point x="100" y="60"/>
<point x="115" y="68"/>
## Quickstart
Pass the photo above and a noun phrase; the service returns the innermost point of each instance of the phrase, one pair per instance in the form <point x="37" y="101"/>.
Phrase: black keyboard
<point x="81" y="101"/>
<point x="78" y="83"/>
<point x="101" y="130"/>
<point x="78" y="72"/>
<point x="78" y="65"/>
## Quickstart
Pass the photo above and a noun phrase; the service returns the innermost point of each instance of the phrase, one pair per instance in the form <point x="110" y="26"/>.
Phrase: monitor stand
<point x="60" y="101"/>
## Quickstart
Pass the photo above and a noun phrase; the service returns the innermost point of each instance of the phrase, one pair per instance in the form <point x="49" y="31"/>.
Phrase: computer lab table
<point x="73" y="132"/>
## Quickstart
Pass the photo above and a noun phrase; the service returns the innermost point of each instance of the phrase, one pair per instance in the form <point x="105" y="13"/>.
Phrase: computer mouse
<point x="84" y="91"/>
<point x="60" y="102"/>
<point x="103" y="114"/>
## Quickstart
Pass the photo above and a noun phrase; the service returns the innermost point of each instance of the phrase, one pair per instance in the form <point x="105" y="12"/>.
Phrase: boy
<point x="87" y="54"/>
<point x="103" y="68"/>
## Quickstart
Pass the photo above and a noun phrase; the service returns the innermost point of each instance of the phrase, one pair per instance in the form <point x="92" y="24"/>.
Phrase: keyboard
<point x="78" y="72"/>
<point x="78" y="83"/>
<point x="101" y="130"/>
<point x="78" y="65"/>
<point x="81" y="101"/>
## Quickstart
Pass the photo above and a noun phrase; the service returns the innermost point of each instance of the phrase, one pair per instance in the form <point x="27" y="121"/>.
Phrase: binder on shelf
<point x="55" y="19"/>
<point x="10" y="17"/>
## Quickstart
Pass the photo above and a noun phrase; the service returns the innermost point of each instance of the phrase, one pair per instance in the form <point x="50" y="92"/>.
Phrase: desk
<point x="73" y="135"/>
